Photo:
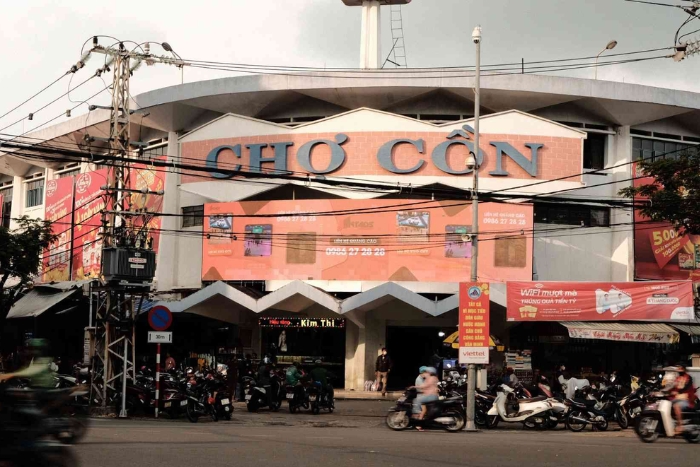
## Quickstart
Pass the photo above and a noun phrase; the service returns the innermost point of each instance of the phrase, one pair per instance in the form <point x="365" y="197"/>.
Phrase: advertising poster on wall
<point x="660" y="252"/>
<point x="87" y="244"/>
<point x="59" y="208"/>
<point x="600" y="301"/>
<point x="145" y="177"/>
<point x="474" y="306"/>
<point x="369" y="240"/>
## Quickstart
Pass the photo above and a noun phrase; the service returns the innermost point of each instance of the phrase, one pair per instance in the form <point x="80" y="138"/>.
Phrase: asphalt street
<point x="357" y="436"/>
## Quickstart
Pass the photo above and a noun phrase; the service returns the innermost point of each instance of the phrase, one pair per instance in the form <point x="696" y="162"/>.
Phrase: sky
<point x="41" y="39"/>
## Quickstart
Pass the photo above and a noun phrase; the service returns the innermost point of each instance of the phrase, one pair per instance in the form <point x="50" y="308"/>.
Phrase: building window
<point x="572" y="214"/>
<point x="652" y="149"/>
<point x="193" y="216"/>
<point x="594" y="151"/>
<point x="153" y="153"/>
<point x="6" y="208"/>
<point x="35" y="193"/>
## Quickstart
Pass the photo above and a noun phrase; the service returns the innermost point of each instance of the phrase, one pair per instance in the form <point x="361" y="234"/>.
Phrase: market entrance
<point x="411" y="347"/>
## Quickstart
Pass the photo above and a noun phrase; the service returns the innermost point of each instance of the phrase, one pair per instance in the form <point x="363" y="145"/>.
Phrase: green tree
<point x="20" y="257"/>
<point x="674" y="196"/>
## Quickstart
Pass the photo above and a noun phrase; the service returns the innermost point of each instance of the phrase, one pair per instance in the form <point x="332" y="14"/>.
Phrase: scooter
<point x="447" y="414"/>
<point x="657" y="420"/>
<point x="296" y="398"/>
<point x="320" y="399"/>
<point x="533" y="413"/>
<point x="257" y="396"/>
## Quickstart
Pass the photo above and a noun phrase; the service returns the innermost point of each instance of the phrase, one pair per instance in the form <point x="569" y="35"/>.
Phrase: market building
<point x="339" y="270"/>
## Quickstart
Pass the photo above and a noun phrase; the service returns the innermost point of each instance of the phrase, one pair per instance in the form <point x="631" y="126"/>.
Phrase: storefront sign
<point x="474" y="306"/>
<point x="302" y="322"/>
<point x="600" y="301"/>
<point x="59" y="209"/>
<point x="377" y="240"/>
<point x="147" y="180"/>
<point x="620" y="336"/>
<point x="660" y="252"/>
<point x="87" y="243"/>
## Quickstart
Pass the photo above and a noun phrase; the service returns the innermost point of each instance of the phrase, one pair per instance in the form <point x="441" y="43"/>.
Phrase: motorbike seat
<point x="533" y="399"/>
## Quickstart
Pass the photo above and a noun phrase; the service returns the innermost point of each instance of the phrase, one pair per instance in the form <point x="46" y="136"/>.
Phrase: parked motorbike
<point x="596" y="410"/>
<point x="200" y="400"/>
<point x="533" y="412"/>
<point x="320" y="398"/>
<point x="657" y="419"/>
<point x="297" y="397"/>
<point x="447" y="414"/>
<point x="258" y="396"/>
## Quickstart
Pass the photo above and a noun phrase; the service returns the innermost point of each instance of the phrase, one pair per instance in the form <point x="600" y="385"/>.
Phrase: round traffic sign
<point x="160" y="318"/>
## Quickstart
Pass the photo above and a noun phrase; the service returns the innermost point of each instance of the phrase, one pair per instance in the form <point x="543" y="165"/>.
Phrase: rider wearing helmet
<point x="429" y="390"/>
<point x="683" y="395"/>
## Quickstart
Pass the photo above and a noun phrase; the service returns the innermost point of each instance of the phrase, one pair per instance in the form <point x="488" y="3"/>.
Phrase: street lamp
<point x="611" y="45"/>
<point x="473" y="163"/>
<point x="168" y="48"/>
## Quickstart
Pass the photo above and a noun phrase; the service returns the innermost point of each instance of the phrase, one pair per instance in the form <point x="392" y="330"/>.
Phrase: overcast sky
<point x="41" y="39"/>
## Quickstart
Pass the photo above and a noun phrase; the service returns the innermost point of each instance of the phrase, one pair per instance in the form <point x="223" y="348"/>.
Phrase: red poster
<point x="59" y="208"/>
<point x="370" y="240"/>
<point x="660" y="252"/>
<point x="144" y="177"/>
<point x="600" y="301"/>
<point x="87" y="244"/>
<point x="474" y="306"/>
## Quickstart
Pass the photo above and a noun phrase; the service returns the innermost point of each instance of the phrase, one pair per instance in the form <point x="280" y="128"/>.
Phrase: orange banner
<point x="59" y="207"/>
<point x="364" y="240"/>
<point x="474" y="308"/>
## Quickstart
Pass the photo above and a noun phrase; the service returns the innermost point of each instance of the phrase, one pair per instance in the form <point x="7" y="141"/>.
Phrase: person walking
<point x="382" y="369"/>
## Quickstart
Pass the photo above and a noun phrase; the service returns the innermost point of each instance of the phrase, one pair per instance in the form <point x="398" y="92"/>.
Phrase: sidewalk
<point x="342" y="394"/>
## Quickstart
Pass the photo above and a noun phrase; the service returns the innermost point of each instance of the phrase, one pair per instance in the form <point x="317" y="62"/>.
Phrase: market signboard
<point x="59" y="208"/>
<point x="302" y="323"/>
<point x="600" y="301"/>
<point x="660" y="252"/>
<point x="87" y="243"/>
<point x="368" y="240"/>
<point x="622" y="336"/>
<point x="474" y="306"/>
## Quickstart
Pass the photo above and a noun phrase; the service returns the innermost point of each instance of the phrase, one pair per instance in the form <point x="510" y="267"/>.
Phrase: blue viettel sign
<point x="384" y="156"/>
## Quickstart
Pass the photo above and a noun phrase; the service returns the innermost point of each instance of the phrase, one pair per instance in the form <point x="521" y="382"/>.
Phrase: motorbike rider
<point x="293" y="374"/>
<point x="429" y="391"/>
<point x="320" y="375"/>
<point x="38" y="370"/>
<point x="683" y="395"/>
<point x="420" y="380"/>
<point x="510" y="379"/>
<point x="264" y="379"/>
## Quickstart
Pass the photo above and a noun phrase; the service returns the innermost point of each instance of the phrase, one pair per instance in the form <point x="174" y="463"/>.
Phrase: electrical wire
<point x="35" y="95"/>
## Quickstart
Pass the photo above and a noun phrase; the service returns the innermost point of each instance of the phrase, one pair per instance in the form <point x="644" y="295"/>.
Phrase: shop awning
<point x="39" y="300"/>
<point x="692" y="330"/>
<point x="453" y="340"/>
<point x="653" y="333"/>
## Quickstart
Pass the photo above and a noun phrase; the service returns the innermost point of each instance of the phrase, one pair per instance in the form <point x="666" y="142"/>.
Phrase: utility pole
<point x="471" y="368"/>
<point x="128" y="261"/>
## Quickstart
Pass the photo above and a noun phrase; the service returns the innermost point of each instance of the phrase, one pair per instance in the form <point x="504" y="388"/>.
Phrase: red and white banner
<point x="474" y="322"/>
<point x="59" y="209"/>
<point x="147" y="178"/>
<point x="600" y="301"/>
<point x="576" y="332"/>
<point x="87" y="242"/>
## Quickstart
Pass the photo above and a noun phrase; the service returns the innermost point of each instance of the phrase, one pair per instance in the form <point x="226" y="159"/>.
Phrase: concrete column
<point x="370" y="47"/>
<point x="18" y="199"/>
<point x="375" y="339"/>
<point x="166" y="266"/>
<point x="355" y="339"/>
<point x="622" y="253"/>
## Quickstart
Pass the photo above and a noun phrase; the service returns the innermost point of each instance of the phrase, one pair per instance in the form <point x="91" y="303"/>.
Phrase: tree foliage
<point x="20" y="257"/>
<point x="674" y="196"/>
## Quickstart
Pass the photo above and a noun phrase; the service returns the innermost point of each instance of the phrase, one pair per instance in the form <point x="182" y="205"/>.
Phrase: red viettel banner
<point x="59" y="209"/>
<point x="660" y="252"/>
<point x="474" y="322"/>
<point x="600" y="301"/>
<point x="87" y="242"/>
<point x="147" y="178"/>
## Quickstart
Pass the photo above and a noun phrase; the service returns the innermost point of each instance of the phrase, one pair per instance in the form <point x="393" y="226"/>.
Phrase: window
<point x="6" y="208"/>
<point x="69" y="173"/>
<point x="594" y="151"/>
<point x="651" y="149"/>
<point x="193" y="216"/>
<point x="35" y="193"/>
<point x="153" y="153"/>
<point x="572" y="214"/>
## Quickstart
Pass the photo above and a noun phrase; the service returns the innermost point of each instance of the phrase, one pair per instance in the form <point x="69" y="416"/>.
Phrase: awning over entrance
<point x="623" y="332"/>
<point x="43" y="297"/>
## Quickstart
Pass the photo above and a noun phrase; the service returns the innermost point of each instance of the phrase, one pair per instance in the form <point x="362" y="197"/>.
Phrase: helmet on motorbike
<point x="431" y="370"/>
<point x="422" y="369"/>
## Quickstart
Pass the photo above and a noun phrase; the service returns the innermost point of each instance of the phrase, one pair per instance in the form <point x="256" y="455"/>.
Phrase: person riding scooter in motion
<point x="428" y="390"/>
<point x="320" y="375"/>
<point x="683" y="396"/>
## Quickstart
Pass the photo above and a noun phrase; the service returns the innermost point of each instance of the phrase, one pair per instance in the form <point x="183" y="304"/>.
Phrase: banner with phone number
<point x="660" y="252"/>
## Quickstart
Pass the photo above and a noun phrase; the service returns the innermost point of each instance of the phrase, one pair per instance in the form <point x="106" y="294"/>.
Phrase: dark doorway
<point x="410" y="348"/>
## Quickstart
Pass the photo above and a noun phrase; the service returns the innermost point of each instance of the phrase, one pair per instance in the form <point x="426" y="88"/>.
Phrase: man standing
<point x="382" y="368"/>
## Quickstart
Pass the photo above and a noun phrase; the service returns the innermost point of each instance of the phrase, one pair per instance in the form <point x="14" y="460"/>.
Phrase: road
<point x="358" y="439"/>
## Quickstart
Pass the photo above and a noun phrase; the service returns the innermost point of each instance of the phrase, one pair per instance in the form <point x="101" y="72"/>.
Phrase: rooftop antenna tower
<point x="370" y="41"/>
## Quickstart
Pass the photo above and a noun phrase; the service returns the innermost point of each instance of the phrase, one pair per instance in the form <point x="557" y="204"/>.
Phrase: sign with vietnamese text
<point x="600" y="301"/>
<point x="59" y="211"/>
<point x="87" y="242"/>
<point x="624" y="336"/>
<point x="474" y="307"/>
<point x="302" y="322"/>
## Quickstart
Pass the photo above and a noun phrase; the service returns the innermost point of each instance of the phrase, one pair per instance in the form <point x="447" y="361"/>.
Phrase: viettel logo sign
<point x="51" y="188"/>
<point x="83" y="183"/>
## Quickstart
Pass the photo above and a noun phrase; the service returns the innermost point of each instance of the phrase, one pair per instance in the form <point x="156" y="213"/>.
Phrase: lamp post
<point x="168" y="48"/>
<point x="611" y="45"/>
<point x="473" y="163"/>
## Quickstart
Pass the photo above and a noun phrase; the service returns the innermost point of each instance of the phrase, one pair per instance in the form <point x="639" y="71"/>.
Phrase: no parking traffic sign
<point x="160" y="318"/>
